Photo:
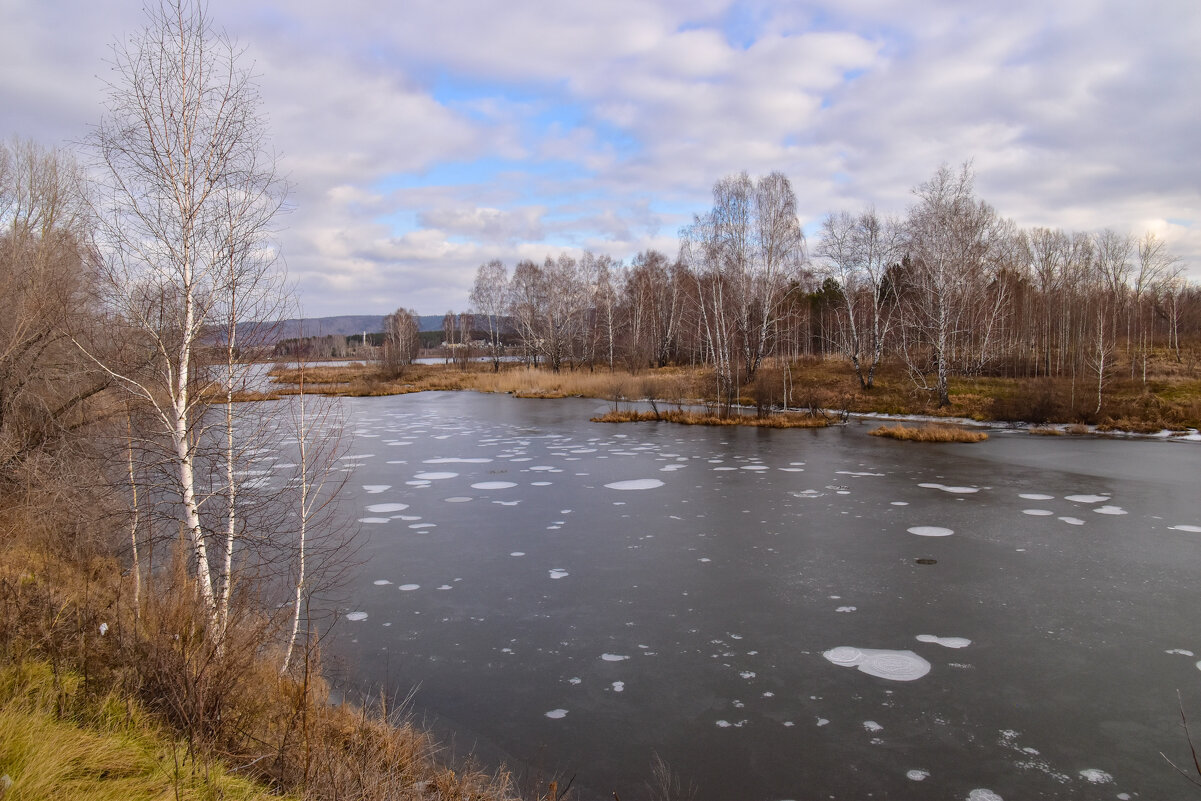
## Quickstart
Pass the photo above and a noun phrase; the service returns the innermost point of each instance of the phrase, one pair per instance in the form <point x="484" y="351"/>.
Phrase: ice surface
<point x="517" y="553"/>
<point x="1110" y="510"/>
<point x="375" y="519"/>
<point x="872" y="726"/>
<point x="356" y="616"/>
<point x="1086" y="498"/>
<point x="379" y="508"/>
<point x="1038" y="512"/>
<point x="917" y="775"/>
<point x="948" y="642"/>
<point x="898" y="503"/>
<point x="1188" y="528"/>
<point x="1034" y="496"/>
<point x="376" y="489"/>
<point x="619" y="686"/>
<point x="555" y="714"/>
<point x="894" y="665"/>
<point x="982" y="794"/>
<point x="457" y="460"/>
<point x="1180" y="651"/>
<point x="1072" y="521"/>
<point x="557" y="573"/>
<point x="636" y="484"/>
<point x="408" y="587"/>
<point x="458" y="499"/>
<point x="493" y="485"/>
<point x="435" y="476"/>
<point x="614" y="657"/>
<point x="381" y="582"/>
<point x="930" y="531"/>
<point x="846" y="609"/>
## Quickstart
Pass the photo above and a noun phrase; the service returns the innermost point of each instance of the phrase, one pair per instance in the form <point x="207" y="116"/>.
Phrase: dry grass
<point x="1044" y="431"/>
<point x="161" y="710"/>
<point x="929" y="433"/>
<point x="705" y="419"/>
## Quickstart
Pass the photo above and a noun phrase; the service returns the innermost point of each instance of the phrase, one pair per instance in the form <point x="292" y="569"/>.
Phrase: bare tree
<point x="951" y="237"/>
<point x="488" y="296"/>
<point x="858" y="251"/>
<point x="188" y="193"/>
<point x="402" y="342"/>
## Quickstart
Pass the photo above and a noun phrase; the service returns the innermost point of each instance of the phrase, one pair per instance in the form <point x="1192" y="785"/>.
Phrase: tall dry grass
<point x="706" y="419"/>
<point x="929" y="433"/>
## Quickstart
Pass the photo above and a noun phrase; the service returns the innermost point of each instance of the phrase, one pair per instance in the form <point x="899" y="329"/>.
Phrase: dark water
<point x="722" y="588"/>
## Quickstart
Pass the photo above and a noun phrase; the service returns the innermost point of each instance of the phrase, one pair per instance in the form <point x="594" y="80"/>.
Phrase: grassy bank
<point x="1169" y="399"/>
<point x="102" y="698"/>
<point x="929" y="433"/>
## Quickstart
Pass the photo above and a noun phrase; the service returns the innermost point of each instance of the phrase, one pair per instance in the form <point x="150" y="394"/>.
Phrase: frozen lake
<point x="778" y="614"/>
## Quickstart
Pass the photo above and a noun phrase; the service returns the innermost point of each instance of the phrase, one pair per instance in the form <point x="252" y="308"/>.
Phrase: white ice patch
<point x="853" y="473"/>
<point x="894" y="665"/>
<point x="872" y="726"/>
<point x="846" y="609"/>
<point x="1034" y="496"/>
<point x="983" y="794"/>
<point x="1188" y="528"/>
<point x="575" y="680"/>
<point x="1180" y="651"/>
<point x="952" y="490"/>
<point x="917" y="775"/>
<point x="458" y="499"/>
<point x="1038" y="512"/>
<point x="1086" y="498"/>
<point x="374" y="520"/>
<point x="1072" y="521"/>
<point x="1110" y="510"/>
<point x="517" y="553"/>
<point x="419" y="526"/>
<point x="614" y="657"/>
<point x="381" y="582"/>
<point x="930" y="531"/>
<point x="723" y="724"/>
<point x="380" y="508"/>
<point x="636" y="484"/>
<point x="619" y="686"/>
<point x="456" y="460"/>
<point x="539" y="483"/>
<point x="898" y="503"/>
<point x="408" y="587"/>
<point x="435" y="476"/>
<point x="557" y="573"/>
<point x="822" y="722"/>
<point x="356" y="616"/>
<point x="493" y="485"/>
<point x="556" y="714"/>
<point x="946" y="642"/>
<point x="1095" y="776"/>
<point x="376" y="489"/>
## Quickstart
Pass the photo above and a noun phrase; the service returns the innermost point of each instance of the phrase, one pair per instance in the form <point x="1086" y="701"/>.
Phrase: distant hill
<point x="343" y="325"/>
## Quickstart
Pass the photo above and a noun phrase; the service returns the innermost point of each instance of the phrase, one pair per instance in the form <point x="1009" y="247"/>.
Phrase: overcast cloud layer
<point x="425" y="138"/>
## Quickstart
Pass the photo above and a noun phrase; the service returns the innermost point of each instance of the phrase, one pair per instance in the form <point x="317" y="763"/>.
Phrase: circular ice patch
<point x="556" y="714"/>
<point x="356" y="616"/>
<point x="1038" y="512"/>
<point x="1086" y="498"/>
<point x="380" y="508"/>
<point x="844" y="655"/>
<point x="982" y="794"/>
<point x="493" y="485"/>
<point x="614" y="657"/>
<point x="435" y="476"/>
<point x="636" y="484"/>
<point x="897" y="666"/>
<point x="1184" y="527"/>
<point x="408" y="587"/>
<point x="930" y="531"/>
<point x="557" y="573"/>
<point x="381" y="582"/>
<point x="1110" y="510"/>
<point x="917" y="775"/>
<point x="374" y="520"/>
<point x="458" y="499"/>
<point x="1034" y="496"/>
<point x="1072" y="521"/>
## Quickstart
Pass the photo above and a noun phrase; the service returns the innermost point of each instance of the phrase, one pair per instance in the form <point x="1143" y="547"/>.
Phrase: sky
<point x="424" y="138"/>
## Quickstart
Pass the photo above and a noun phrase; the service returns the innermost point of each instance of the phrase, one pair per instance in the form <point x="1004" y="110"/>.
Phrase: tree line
<point x="952" y="288"/>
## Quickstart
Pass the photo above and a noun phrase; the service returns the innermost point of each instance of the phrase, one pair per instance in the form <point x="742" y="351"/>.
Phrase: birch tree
<point x="188" y="192"/>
